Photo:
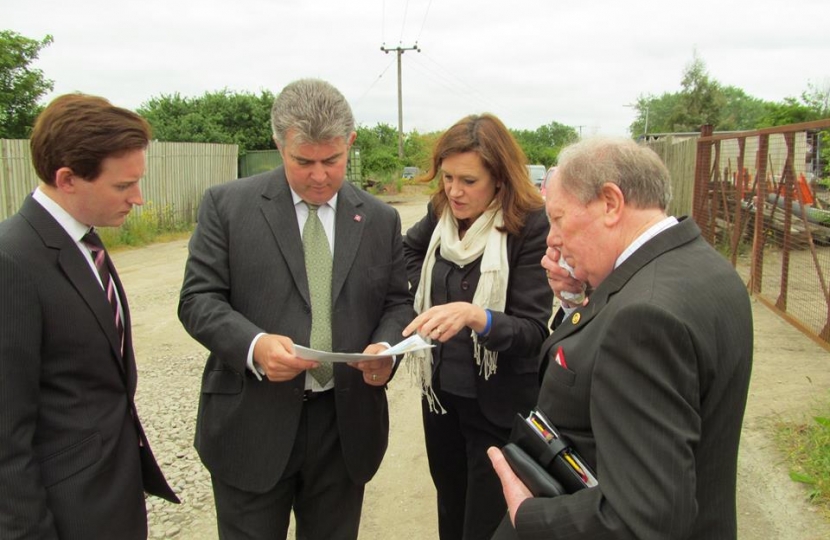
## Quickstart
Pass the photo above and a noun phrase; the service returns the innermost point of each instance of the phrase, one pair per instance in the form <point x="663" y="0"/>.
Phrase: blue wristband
<point x="488" y="325"/>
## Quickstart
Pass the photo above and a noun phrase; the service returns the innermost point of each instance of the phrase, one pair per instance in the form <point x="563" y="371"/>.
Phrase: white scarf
<point x="482" y="239"/>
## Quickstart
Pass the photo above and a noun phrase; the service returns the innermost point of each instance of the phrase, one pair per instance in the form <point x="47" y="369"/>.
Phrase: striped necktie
<point x="99" y="255"/>
<point x="318" y="264"/>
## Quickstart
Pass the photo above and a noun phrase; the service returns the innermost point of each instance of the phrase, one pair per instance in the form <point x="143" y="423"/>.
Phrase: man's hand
<point x="275" y="355"/>
<point x="375" y="372"/>
<point x="559" y="279"/>
<point x="515" y="492"/>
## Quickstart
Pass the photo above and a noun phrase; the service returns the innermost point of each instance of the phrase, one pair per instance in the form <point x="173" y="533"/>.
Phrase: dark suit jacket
<point x="246" y="274"/>
<point x="653" y="395"/>
<point x="70" y="462"/>
<point x="518" y="332"/>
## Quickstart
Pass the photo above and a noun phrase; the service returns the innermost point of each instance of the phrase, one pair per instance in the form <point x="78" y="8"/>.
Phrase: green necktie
<point x="318" y="269"/>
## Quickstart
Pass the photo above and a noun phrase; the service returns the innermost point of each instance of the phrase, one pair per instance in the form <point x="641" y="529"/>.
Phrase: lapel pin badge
<point x="358" y="218"/>
<point x="575" y="318"/>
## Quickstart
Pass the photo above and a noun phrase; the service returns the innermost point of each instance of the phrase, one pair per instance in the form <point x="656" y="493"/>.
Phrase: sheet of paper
<point x="412" y="343"/>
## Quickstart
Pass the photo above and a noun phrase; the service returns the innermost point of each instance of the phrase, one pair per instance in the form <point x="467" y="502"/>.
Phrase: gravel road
<point x="790" y="375"/>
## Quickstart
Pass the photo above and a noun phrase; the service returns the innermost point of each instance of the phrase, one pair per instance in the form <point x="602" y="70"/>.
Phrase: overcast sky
<point x="530" y="62"/>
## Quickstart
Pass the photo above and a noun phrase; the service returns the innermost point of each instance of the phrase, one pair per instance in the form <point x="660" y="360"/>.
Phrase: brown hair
<point x="80" y="131"/>
<point x="502" y="156"/>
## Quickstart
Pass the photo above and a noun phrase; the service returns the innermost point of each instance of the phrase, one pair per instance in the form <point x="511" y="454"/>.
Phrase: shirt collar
<point x="74" y="228"/>
<point x="650" y="233"/>
<point x="332" y="203"/>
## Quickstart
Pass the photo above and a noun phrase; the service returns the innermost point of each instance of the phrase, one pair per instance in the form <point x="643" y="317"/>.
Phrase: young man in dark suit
<point x="74" y="460"/>
<point x="648" y="378"/>
<point x="295" y="256"/>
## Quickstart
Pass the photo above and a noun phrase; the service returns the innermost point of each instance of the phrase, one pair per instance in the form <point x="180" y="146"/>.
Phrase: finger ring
<point x="439" y="330"/>
<point x="374" y="376"/>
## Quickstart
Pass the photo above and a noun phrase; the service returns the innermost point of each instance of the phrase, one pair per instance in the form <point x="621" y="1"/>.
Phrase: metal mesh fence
<point x="759" y="201"/>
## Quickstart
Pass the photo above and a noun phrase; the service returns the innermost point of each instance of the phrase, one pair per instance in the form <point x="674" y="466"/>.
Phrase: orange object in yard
<point x="804" y="195"/>
<point x="806" y="192"/>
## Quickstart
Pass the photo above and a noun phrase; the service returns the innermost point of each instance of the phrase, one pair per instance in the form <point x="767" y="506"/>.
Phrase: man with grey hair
<point x="648" y="377"/>
<point x="295" y="256"/>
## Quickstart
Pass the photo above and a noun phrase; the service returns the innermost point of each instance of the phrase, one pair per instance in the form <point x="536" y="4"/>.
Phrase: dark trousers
<point x="470" y="499"/>
<point x="315" y="484"/>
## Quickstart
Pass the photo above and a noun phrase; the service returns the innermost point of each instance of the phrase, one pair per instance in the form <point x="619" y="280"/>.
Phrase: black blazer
<point x="652" y="395"/>
<point x="518" y="333"/>
<point x="70" y="461"/>
<point x="246" y="274"/>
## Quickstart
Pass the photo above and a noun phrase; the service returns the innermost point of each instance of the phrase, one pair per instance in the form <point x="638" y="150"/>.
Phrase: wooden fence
<point x="679" y="157"/>
<point x="177" y="175"/>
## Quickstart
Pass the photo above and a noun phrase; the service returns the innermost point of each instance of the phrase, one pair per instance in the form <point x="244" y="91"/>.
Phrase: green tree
<point x="788" y="111"/>
<point x="740" y="111"/>
<point x="657" y="110"/>
<point x="378" y="149"/>
<point x="417" y="149"/>
<point x="224" y="117"/>
<point x="701" y="99"/>
<point x="543" y="144"/>
<point x="818" y="99"/>
<point x="21" y="86"/>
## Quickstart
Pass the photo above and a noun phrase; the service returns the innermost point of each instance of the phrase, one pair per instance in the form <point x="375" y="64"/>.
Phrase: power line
<point x="379" y="77"/>
<point x="449" y="85"/>
<point x="383" y="22"/>
<point x="403" y="23"/>
<point x="469" y="89"/>
<point x="418" y="37"/>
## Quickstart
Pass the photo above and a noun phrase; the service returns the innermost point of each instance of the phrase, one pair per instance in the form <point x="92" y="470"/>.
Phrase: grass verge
<point x="807" y="448"/>
<point x="145" y="226"/>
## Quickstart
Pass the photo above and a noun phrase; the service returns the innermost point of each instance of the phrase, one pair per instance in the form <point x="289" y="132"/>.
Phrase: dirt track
<point x="790" y="375"/>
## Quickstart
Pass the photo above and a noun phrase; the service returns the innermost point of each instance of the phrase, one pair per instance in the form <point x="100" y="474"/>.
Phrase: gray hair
<point x="643" y="179"/>
<point x="315" y="109"/>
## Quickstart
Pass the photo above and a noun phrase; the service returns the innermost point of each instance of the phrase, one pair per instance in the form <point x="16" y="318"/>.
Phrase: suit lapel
<point x="279" y="212"/>
<point x="348" y="232"/>
<point x="77" y="271"/>
<point x="278" y="209"/>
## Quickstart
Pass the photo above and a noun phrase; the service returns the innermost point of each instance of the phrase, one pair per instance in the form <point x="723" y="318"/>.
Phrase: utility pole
<point x="580" y="131"/>
<point x="400" y="50"/>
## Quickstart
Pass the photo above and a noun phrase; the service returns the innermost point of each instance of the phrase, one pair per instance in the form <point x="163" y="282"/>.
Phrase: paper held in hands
<point x="412" y="343"/>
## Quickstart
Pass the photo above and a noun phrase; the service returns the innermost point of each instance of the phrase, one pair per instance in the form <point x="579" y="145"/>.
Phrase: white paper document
<point x="412" y="343"/>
